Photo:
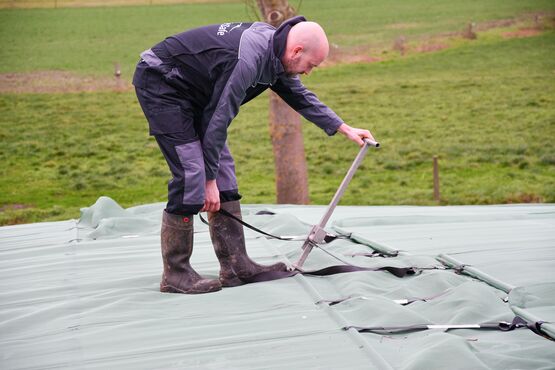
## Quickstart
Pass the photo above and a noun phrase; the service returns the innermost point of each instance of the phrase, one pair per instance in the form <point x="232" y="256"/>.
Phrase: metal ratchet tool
<point x="317" y="234"/>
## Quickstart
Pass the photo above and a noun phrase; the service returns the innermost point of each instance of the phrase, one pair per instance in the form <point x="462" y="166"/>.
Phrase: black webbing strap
<point x="402" y="302"/>
<point x="227" y="214"/>
<point x="331" y="270"/>
<point x="518" y="322"/>
<point x="339" y="269"/>
<point x="264" y="212"/>
<point x="328" y="238"/>
<point x="375" y="254"/>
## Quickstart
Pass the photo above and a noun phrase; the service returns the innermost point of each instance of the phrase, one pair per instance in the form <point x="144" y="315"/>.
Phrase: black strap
<point x="517" y="323"/>
<point x="328" y="238"/>
<point x="339" y="269"/>
<point x="227" y="214"/>
<point x="375" y="254"/>
<point x="264" y="212"/>
<point x="405" y="302"/>
<point x="331" y="270"/>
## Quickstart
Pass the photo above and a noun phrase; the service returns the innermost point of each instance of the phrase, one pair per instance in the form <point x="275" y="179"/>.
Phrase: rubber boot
<point x="229" y="243"/>
<point x="177" y="247"/>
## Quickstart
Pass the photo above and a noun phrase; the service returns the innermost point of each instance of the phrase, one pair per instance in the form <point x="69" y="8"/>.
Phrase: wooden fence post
<point x="436" y="180"/>
<point x="117" y="75"/>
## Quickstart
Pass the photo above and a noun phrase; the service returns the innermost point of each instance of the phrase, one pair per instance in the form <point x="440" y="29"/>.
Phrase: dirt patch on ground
<point x="340" y="55"/>
<point x="498" y="23"/>
<point x="523" y="198"/>
<point x="58" y="82"/>
<point x="523" y="32"/>
<point x="428" y="48"/>
<point x="365" y="53"/>
<point x="402" y="45"/>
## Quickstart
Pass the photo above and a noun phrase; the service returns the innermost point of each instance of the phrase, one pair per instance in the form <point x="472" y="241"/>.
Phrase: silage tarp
<point x="85" y="294"/>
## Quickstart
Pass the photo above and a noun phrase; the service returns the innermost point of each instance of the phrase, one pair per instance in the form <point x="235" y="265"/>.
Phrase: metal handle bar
<point x="318" y="233"/>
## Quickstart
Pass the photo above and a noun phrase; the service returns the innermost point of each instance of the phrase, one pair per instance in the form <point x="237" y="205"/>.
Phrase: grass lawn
<point x="485" y="107"/>
<point x="90" y="40"/>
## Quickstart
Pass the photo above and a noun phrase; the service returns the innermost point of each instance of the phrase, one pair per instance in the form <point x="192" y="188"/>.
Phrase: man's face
<point x="298" y="61"/>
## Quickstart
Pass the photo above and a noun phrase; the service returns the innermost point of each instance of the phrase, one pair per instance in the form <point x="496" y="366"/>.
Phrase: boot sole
<point x="230" y="283"/>
<point x="246" y="275"/>
<point x="172" y="289"/>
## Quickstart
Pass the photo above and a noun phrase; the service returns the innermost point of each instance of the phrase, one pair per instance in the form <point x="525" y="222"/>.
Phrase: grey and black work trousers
<point x="172" y="121"/>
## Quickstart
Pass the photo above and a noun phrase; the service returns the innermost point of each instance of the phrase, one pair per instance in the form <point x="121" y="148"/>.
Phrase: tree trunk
<point x="285" y="127"/>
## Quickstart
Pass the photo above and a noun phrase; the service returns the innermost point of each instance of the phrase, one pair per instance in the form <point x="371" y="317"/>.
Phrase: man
<point x="190" y="87"/>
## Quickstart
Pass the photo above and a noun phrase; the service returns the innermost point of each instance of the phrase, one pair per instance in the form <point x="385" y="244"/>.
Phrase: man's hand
<point x="355" y="134"/>
<point x="211" y="197"/>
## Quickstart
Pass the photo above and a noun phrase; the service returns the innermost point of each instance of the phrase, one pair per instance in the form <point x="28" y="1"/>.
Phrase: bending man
<point x="190" y="87"/>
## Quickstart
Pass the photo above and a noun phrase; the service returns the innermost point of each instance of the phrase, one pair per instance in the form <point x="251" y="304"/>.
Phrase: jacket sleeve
<point x="229" y="92"/>
<point x="298" y="97"/>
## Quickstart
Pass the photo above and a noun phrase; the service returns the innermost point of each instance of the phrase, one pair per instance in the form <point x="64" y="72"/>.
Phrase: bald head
<point x="307" y="46"/>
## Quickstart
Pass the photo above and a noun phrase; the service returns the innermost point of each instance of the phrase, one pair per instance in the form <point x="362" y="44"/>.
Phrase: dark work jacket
<point x="217" y="68"/>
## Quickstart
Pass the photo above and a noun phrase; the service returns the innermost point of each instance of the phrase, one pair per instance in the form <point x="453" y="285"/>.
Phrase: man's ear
<point x="297" y="51"/>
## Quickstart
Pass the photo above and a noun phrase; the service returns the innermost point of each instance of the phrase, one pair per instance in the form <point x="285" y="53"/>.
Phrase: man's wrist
<point x="343" y="128"/>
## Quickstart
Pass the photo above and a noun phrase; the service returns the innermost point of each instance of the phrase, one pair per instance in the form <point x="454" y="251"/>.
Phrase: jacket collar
<point x="280" y="36"/>
<point x="279" y="41"/>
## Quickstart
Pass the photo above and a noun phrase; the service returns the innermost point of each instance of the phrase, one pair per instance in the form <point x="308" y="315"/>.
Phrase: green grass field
<point x="485" y="107"/>
<point x="90" y="40"/>
<point x="26" y="4"/>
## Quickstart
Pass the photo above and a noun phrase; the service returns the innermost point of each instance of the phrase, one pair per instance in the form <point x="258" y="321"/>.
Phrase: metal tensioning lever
<point x="317" y="234"/>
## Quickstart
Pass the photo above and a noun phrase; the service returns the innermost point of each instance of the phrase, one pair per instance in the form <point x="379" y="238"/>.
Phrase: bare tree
<point x="285" y="126"/>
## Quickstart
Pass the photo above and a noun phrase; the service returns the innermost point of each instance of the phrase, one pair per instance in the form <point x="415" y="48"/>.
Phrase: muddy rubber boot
<point x="229" y="243"/>
<point x="177" y="247"/>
